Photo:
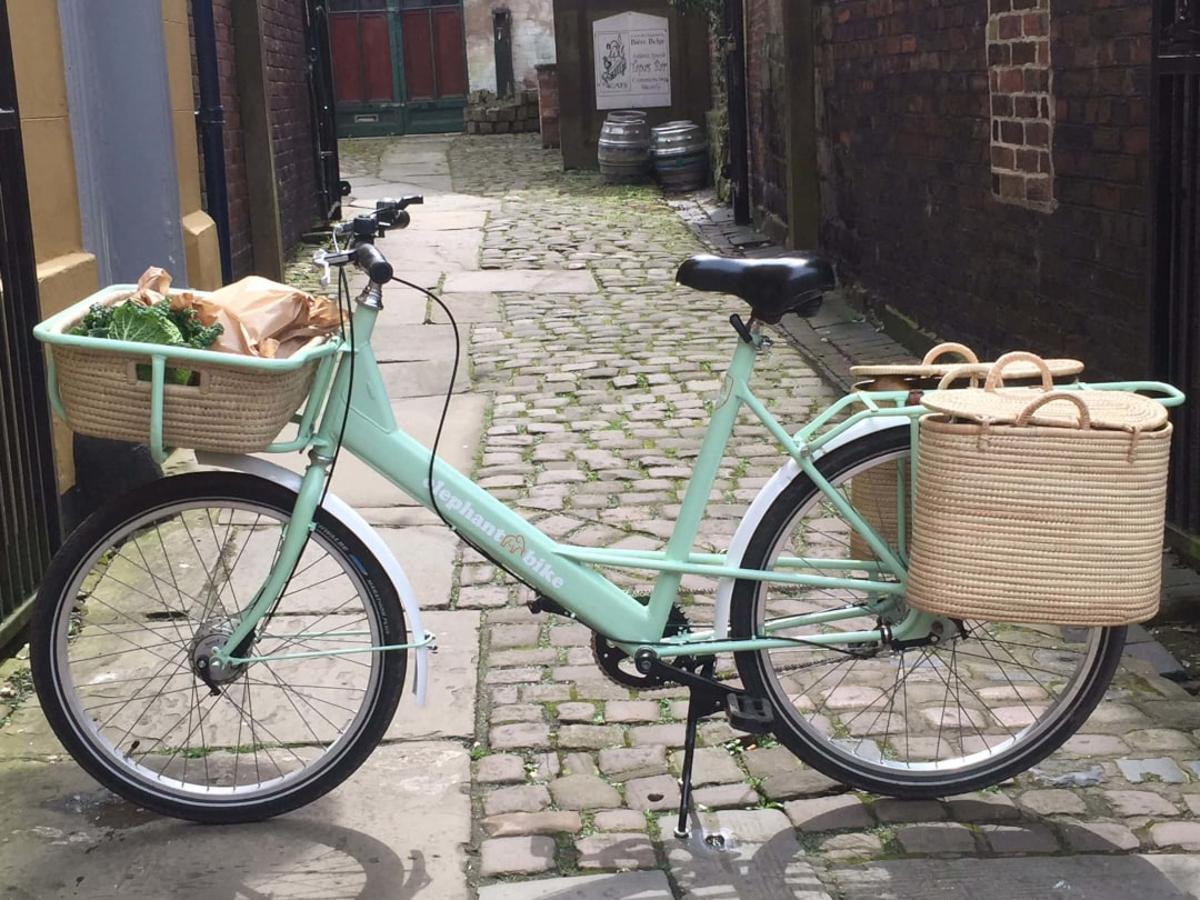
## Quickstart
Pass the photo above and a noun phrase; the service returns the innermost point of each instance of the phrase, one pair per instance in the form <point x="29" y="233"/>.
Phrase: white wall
<point x="533" y="40"/>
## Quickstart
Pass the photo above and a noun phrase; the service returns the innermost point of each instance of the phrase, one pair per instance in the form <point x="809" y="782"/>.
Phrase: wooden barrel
<point x="680" y="154"/>
<point x="624" y="151"/>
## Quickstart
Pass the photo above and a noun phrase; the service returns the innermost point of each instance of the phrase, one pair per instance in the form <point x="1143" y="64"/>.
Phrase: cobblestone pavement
<point x="598" y="406"/>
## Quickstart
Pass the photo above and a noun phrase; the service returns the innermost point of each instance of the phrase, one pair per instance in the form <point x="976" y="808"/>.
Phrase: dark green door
<point x="399" y="66"/>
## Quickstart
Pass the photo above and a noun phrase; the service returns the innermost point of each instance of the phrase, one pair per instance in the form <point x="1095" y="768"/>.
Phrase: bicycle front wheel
<point x="985" y="702"/>
<point x="147" y="588"/>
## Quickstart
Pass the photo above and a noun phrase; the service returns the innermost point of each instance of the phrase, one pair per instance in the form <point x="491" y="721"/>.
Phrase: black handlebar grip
<point x="368" y="258"/>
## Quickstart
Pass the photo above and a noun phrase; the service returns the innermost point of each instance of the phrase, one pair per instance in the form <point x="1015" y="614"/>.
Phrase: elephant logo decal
<point x="514" y="544"/>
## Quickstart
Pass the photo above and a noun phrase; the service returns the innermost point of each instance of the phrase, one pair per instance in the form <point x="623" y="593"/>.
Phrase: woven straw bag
<point x="873" y="492"/>
<point x="1039" y="506"/>
<point x="925" y="374"/>
<point x="231" y="410"/>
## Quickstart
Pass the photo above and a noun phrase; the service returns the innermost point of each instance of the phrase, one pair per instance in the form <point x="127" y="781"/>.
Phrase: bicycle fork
<point x="291" y="547"/>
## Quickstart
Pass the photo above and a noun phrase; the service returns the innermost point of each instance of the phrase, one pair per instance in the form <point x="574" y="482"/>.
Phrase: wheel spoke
<point x="928" y="705"/>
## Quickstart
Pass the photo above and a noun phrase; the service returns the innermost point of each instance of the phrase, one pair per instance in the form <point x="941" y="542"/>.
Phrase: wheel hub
<point x="207" y="668"/>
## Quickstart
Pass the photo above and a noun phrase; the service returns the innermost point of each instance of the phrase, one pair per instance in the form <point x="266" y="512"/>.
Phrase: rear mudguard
<point x="346" y="515"/>
<point x="770" y="491"/>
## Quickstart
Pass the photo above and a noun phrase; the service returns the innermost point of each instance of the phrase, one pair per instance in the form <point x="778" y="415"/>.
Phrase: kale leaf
<point x="157" y="324"/>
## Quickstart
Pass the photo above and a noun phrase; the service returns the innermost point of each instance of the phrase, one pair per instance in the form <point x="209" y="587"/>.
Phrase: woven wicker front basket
<point x="231" y="410"/>
<point x="1060" y="522"/>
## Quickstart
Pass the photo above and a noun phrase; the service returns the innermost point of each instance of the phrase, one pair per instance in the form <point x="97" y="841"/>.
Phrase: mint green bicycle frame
<point x="566" y="574"/>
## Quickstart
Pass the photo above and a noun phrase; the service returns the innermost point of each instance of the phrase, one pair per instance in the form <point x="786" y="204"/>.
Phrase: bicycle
<point x="230" y="644"/>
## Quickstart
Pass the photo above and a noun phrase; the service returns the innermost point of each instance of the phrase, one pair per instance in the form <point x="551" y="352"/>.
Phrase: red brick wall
<point x="766" y="91"/>
<point x="909" y="200"/>
<point x="292" y="125"/>
<point x="293" y="130"/>
<point x="235" y="160"/>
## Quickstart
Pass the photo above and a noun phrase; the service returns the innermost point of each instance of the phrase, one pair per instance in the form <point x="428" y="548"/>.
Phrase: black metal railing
<point x="29" y="524"/>
<point x="1175" y="228"/>
<point x="321" y="96"/>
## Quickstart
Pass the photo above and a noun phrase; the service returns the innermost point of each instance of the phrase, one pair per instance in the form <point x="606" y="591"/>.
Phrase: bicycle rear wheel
<point x="147" y="587"/>
<point x="984" y="703"/>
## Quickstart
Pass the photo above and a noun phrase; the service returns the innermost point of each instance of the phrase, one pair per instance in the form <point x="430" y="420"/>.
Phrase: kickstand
<point x="704" y="701"/>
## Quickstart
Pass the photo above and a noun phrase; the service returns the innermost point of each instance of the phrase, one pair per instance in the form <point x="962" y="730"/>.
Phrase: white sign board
<point x="633" y="61"/>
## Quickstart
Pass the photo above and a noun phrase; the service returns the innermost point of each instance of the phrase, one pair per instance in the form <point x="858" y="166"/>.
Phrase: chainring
<point x="609" y="657"/>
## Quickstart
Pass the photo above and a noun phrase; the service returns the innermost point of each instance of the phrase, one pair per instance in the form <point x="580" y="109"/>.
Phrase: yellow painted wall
<point x="66" y="271"/>
<point x="199" y="230"/>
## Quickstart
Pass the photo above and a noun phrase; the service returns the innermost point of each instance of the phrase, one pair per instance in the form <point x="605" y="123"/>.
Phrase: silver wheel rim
<point x="268" y="757"/>
<point x="996" y="721"/>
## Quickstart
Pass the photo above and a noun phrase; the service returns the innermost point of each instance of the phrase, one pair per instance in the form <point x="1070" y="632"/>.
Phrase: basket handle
<point x="950" y="347"/>
<point x="1085" y="418"/>
<point x="972" y="370"/>
<point x="995" y="377"/>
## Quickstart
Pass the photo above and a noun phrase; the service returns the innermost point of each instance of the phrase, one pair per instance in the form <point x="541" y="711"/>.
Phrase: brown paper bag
<point x="265" y="318"/>
<point x="260" y="317"/>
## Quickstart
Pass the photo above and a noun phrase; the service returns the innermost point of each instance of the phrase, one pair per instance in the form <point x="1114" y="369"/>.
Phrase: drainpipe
<point x="739" y="136"/>
<point x="211" y="120"/>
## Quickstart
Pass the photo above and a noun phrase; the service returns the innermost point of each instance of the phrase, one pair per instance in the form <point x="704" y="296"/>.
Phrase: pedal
<point x="752" y="715"/>
<point x="540" y="604"/>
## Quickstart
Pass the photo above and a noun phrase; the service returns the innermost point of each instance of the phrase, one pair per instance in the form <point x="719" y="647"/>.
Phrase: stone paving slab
<point x="63" y="836"/>
<point x="740" y="853"/>
<point x="427" y="186"/>
<point x="435" y="218"/>
<point x="623" y="886"/>
<point x="398" y="339"/>
<point x="447" y="251"/>
<point x="449" y="711"/>
<point x="428" y="556"/>
<point x="467" y="309"/>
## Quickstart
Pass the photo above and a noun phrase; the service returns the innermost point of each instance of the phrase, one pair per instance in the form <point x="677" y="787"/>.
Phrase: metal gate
<point x="1176" y="236"/>
<point x="320" y="86"/>
<point x="29" y="527"/>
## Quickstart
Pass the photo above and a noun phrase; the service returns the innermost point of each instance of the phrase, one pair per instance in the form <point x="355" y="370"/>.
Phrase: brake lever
<point x="321" y="262"/>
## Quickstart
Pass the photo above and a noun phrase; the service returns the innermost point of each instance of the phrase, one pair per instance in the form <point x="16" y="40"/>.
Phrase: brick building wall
<point x="235" y="159"/>
<point x="1044" y="249"/>
<point x="293" y="130"/>
<point x="766" y="89"/>
<point x="983" y="165"/>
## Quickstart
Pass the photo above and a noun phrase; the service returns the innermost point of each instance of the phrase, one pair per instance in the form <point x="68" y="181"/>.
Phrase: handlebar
<point x="362" y="231"/>
<point x="368" y="258"/>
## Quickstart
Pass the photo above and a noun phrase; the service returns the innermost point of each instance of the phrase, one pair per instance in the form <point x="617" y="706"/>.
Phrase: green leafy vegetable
<point x="96" y="322"/>
<point x="157" y="324"/>
<point x="143" y="325"/>
<point x="195" y="333"/>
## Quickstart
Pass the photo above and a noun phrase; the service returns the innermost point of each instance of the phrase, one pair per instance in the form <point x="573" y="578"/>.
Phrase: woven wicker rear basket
<point x="1057" y="523"/>
<point x="873" y="495"/>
